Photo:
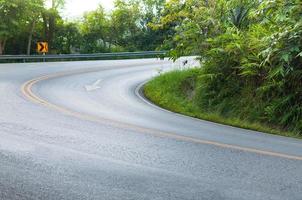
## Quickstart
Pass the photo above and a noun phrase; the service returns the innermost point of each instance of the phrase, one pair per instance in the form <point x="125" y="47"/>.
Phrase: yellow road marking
<point x="26" y="89"/>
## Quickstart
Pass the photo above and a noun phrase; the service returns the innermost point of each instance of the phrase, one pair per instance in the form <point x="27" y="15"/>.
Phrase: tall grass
<point x="179" y="91"/>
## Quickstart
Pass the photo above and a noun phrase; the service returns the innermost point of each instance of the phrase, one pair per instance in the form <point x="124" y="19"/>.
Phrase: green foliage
<point x="170" y="91"/>
<point x="17" y="19"/>
<point x="11" y="13"/>
<point x="251" y="57"/>
<point x="125" y="28"/>
<point x="283" y="62"/>
<point x="95" y="29"/>
<point x="68" y="38"/>
<point x="175" y="91"/>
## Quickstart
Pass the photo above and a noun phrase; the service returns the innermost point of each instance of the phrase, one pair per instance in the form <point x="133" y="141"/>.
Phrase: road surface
<point x="82" y="130"/>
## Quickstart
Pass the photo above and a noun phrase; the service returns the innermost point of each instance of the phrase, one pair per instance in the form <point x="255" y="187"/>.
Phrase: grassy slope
<point x="168" y="91"/>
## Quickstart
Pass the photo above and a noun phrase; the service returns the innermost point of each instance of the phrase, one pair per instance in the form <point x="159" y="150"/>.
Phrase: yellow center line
<point x="26" y="89"/>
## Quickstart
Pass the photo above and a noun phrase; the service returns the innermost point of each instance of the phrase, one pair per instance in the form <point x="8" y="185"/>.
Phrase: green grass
<point x="174" y="91"/>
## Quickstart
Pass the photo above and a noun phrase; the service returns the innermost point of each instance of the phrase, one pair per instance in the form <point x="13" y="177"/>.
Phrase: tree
<point x="94" y="29"/>
<point x="148" y="38"/>
<point x="11" y="13"/>
<point x="50" y="17"/>
<point x="68" y="38"/>
<point x="124" y="23"/>
<point x="33" y="13"/>
<point x="251" y="56"/>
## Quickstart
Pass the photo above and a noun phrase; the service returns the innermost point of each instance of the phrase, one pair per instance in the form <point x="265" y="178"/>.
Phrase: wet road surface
<point x="81" y="130"/>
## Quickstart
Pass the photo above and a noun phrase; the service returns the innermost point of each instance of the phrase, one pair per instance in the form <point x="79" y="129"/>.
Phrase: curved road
<point x="82" y="130"/>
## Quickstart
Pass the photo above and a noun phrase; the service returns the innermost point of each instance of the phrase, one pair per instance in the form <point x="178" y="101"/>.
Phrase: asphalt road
<point x="81" y="130"/>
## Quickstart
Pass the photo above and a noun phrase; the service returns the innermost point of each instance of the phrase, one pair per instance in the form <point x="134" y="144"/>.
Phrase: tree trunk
<point x="2" y="46"/>
<point x="45" y="26"/>
<point x="109" y="45"/>
<point x="30" y="37"/>
<point x="51" y="30"/>
<point x="104" y="43"/>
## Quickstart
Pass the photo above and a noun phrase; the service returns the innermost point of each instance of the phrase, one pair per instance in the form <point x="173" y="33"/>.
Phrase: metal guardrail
<point x="24" y="58"/>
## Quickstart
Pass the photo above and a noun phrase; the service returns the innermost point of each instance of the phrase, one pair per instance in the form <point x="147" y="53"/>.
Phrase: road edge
<point x="26" y="90"/>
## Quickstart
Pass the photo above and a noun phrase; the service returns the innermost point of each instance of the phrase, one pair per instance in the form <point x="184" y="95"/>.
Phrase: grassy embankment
<point x="176" y="91"/>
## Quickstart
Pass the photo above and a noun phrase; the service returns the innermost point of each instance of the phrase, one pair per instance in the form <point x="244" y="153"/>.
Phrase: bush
<point x="251" y="54"/>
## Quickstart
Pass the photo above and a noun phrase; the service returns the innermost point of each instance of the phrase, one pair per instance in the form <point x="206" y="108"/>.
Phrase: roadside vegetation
<point x="251" y="55"/>
<point x="176" y="91"/>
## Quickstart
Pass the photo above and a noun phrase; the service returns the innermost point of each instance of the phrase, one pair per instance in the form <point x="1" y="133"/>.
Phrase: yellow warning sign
<point x="42" y="47"/>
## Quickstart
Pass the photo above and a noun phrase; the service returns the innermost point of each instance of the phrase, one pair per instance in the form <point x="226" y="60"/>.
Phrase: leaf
<point x="285" y="57"/>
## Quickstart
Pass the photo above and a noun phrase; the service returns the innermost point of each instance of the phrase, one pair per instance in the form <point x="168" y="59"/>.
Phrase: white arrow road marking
<point x="94" y="86"/>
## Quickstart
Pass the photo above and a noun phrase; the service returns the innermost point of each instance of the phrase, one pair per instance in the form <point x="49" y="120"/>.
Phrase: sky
<point x="75" y="8"/>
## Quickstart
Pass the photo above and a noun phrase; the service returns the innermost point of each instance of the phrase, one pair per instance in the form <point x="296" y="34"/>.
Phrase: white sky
<point x="75" y="8"/>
